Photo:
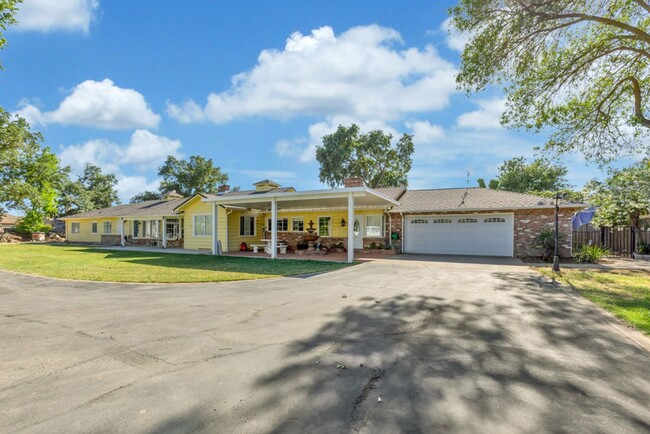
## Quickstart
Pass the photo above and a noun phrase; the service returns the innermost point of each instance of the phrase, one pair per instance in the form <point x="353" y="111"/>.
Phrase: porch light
<point x="342" y="222"/>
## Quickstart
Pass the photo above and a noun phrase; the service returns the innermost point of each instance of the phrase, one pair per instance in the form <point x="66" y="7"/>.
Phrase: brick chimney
<point x="353" y="182"/>
<point x="225" y="188"/>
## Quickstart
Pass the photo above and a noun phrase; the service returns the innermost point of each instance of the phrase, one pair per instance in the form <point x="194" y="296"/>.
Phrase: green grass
<point x="624" y="293"/>
<point x="86" y="263"/>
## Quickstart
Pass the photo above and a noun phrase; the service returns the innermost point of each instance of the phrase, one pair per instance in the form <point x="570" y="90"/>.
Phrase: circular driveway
<point x="424" y="345"/>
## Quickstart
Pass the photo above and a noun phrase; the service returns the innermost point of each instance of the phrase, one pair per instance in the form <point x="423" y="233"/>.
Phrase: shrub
<point x="590" y="254"/>
<point x="644" y="248"/>
<point x="545" y="241"/>
<point x="30" y="223"/>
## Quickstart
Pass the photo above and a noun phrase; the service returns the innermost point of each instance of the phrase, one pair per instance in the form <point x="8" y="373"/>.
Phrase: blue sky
<point x="252" y="85"/>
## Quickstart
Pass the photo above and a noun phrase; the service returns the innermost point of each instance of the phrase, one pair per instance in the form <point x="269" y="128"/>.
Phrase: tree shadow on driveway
<point x="523" y="357"/>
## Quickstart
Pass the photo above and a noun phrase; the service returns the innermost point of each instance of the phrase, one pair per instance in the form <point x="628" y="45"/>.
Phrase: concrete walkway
<point x="388" y="346"/>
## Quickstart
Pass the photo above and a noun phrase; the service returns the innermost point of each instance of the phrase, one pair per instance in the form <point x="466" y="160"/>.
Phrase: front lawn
<point x="86" y="263"/>
<point x="624" y="293"/>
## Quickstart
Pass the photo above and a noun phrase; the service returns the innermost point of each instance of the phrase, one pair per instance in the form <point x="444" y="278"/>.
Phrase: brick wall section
<point x="528" y="224"/>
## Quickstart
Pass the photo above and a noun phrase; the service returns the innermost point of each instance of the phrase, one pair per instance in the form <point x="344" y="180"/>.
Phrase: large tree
<point x="539" y="175"/>
<point x="188" y="177"/>
<point x="623" y="197"/>
<point x="30" y="175"/>
<point x="580" y="67"/>
<point x="347" y="153"/>
<point x="93" y="189"/>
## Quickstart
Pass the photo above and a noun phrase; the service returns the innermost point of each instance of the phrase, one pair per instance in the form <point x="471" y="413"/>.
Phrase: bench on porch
<point x="267" y="247"/>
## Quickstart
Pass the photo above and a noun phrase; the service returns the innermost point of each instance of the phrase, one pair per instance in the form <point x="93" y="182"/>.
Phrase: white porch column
<point x="274" y="228"/>
<point x="122" y="232"/>
<point x="351" y="228"/>
<point x="215" y="228"/>
<point x="164" y="232"/>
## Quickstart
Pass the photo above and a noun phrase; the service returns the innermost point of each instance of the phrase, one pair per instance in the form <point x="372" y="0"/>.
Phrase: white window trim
<point x="205" y="216"/>
<point x="110" y="227"/>
<point x="381" y="226"/>
<point x="72" y="226"/>
<point x="329" y="228"/>
<point x="96" y="231"/>
<point x="278" y="220"/>
<point x="254" y="217"/>
<point x="303" y="223"/>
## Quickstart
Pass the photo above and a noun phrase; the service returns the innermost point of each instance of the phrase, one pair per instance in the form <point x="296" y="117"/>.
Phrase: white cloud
<point x="188" y="112"/>
<point x="129" y="186"/>
<point x="50" y="15"/>
<point x="425" y="133"/>
<point x="98" y="104"/>
<point x="454" y="38"/>
<point x="358" y="74"/>
<point x="488" y="116"/>
<point x="144" y="151"/>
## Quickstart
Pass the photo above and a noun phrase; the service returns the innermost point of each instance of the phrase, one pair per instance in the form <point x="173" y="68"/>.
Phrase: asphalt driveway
<point x="386" y="346"/>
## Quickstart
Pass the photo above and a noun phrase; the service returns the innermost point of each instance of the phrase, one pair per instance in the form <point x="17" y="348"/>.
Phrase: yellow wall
<point x="85" y="226"/>
<point x="234" y="239"/>
<point x="202" y="242"/>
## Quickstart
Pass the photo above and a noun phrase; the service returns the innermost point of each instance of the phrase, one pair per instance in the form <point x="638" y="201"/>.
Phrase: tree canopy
<point x="92" y="190"/>
<point x="623" y="197"/>
<point x="198" y="175"/>
<point x="30" y="175"/>
<point x="144" y="196"/>
<point x="372" y="157"/>
<point x="538" y="176"/>
<point x="580" y="68"/>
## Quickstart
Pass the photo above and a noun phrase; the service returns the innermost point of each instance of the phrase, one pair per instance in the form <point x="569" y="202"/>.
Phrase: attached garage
<point x="465" y="234"/>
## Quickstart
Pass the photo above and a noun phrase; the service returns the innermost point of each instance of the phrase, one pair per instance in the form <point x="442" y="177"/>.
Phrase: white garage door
<point x="477" y="234"/>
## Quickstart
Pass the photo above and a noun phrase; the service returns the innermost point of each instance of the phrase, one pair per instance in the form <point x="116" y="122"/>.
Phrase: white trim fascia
<point x="483" y="210"/>
<point x="298" y="195"/>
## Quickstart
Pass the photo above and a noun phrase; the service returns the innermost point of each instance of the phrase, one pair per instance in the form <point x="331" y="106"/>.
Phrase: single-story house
<point x="457" y="221"/>
<point x="8" y="221"/>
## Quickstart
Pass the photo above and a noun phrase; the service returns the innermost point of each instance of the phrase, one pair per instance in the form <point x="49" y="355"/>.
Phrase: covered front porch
<point x="345" y="201"/>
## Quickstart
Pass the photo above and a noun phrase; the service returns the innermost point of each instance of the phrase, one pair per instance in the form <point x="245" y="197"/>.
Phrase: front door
<point x="358" y="232"/>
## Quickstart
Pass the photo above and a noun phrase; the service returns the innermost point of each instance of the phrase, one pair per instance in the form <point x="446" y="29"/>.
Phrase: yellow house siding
<point x="85" y="234"/>
<point x="234" y="239"/>
<point x="193" y="242"/>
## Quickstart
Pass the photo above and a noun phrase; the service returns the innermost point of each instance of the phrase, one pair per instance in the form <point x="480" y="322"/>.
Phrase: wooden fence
<point x="621" y="241"/>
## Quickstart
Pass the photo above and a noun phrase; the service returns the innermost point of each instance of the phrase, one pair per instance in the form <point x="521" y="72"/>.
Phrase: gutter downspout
<point x="402" y="234"/>
<point x="390" y="227"/>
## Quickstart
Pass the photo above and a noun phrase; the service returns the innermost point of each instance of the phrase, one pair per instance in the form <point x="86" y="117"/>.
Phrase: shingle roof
<point x="459" y="199"/>
<point x="9" y="219"/>
<point x="392" y="192"/>
<point x="252" y="192"/>
<point x="148" y="208"/>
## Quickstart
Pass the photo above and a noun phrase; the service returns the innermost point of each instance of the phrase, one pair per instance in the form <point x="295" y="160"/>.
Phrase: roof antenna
<point x="462" y="200"/>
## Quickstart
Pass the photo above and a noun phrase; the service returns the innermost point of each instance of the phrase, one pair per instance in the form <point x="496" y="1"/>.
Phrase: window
<point x="247" y="226"/>
<point x="324" y="226"/>
<point x="298" y="224"/>
<point x="93" y="227"/>
<point x="202" y="225"/>
<point x="172" y="227"/>
<point x="283" y="224"/>
<point x="373" y="226"/>
<point x="441" y="220"/>
<point x="136" y="229"/>
<point x="419" y="221"/>
<point x="74" y="228"/>
<point x="108" y="227"/>
<point x="467" y="220"/>
<point x="494" y="220"/>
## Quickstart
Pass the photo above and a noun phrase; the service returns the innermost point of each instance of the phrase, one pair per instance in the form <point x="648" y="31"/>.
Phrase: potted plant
<point x="340" y="247"/>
